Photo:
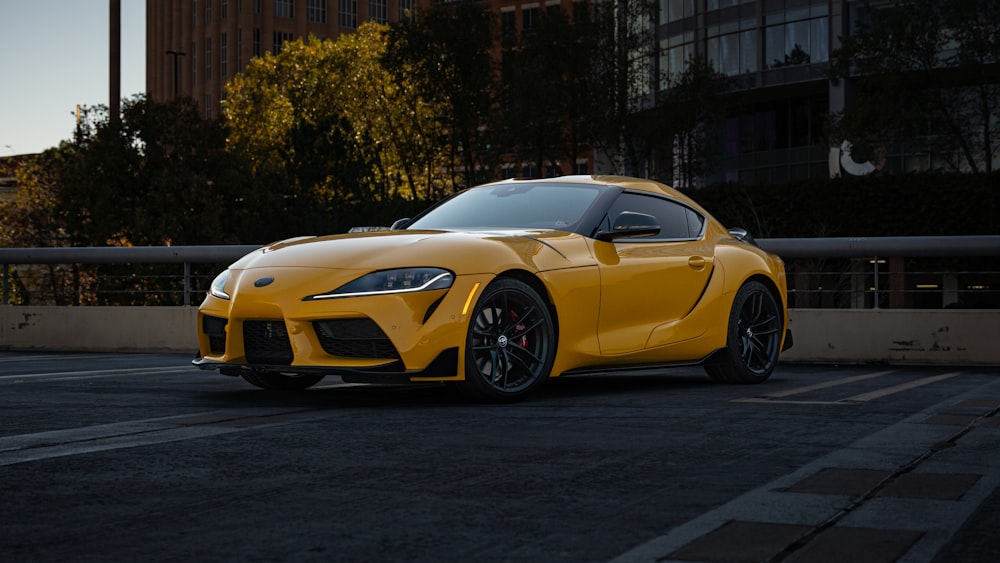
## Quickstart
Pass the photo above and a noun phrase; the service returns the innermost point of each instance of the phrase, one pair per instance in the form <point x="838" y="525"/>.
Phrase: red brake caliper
<point x="523" y="341"/>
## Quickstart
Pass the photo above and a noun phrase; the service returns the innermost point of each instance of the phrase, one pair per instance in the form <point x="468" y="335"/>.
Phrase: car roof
<point x="624" y="182"/>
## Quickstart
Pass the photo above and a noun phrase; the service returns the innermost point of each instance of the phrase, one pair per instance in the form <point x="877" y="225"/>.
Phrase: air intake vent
<point x="354" y="338"/>
<point x="215" y="329"/>
<point x="266" y="342"/>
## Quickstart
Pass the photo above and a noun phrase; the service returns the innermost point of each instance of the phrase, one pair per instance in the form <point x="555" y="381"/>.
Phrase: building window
<point x="716" y="4"/>
<point x="194" y="13"/>
<point x="208" y="59"/>
<point x="223" y="9"/>
<point x="377" y="11"/>
<point x="239" y="48"/>
<point x="805" y="41"/>
<point x="256" y="6"/>
<point x="208" y="12"/>
<point x="316" y="11"/>
<point x="284" y="8"/>
<point x="194" y="64"/>
<point x="348" y="13"/>
<point x="405" y="8"/>
<point x="208" y="106"/>
<point x="256" y="42"/>
<point x="529" y="17"/>
<point x="674" y="54"/>
<point x="280" y="37"/>
<point x="674" y="10"/>
<point x="223" y="54"/>
<point x="508" y="25"/>
<point x="733" y="53"/>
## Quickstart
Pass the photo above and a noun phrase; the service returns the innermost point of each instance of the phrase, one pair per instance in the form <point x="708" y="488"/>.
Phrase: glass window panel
<point x="748" y="51"/>
<point x="730" y="54"/>
<point x="819" y="40"/>
<point x="797" y="42"/>
<point x="712" y="46"/>
<point x="774" y="47"/>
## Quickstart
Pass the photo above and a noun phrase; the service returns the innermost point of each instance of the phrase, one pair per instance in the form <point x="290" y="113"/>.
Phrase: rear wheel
<point x="754" y="338"/>
<point x="510" y="345"/>
<point x="282" y="381"/>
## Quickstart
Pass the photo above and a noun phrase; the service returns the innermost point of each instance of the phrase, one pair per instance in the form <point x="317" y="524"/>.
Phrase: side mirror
<point x="629" y="224"/>
<point x="399" y="224"/>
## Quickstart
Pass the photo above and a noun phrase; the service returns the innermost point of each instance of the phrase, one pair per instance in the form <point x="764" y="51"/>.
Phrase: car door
<point x="648" y="282"/>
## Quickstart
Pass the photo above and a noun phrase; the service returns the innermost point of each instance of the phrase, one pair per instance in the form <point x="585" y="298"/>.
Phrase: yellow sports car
<point x="500" y="287"/>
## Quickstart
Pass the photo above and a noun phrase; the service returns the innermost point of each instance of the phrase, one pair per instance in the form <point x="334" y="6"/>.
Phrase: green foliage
<point x="686" y="118"/>
<point x="329" y="120"/>
<point x="622" y="48"/>
<point x="444" y="53"/>
<point x="545" y="81"/>
<point x="161" y="176"/>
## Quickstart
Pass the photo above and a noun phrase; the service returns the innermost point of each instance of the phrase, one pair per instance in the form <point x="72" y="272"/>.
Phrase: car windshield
<point x="519" y="205"/>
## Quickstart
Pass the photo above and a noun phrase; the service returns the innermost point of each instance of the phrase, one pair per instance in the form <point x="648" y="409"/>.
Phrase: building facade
<point x="193" y="47"/>
<point x="777" y="53"/>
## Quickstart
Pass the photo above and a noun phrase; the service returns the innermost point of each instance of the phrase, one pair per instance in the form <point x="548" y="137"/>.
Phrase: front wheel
<point x="510" y="344"/>
<point x="754" y="338"/>
<point x="281" y="381"/>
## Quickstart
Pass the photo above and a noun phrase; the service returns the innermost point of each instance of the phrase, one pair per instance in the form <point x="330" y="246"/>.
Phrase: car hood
<point x="461" y="252"/>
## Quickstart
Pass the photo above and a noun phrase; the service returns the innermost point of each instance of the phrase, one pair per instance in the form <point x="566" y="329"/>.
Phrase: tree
<point x="621" y="78"/>
<point x="685" y="120"/>
<point x="927" y="73"/>
<point x="330" y="118"/>
<point x="445" y="52"/>
<point x="545" y="81"/>
<point x="159" y="176"/>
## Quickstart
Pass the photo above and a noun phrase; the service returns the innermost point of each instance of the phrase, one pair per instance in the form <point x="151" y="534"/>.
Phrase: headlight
<point x="218" y="287"/>
<point x="403" y="280"/>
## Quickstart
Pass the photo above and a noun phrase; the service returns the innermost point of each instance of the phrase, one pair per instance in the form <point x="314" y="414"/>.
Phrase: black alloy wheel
<point x="754" y="338"/>
<point x="510" y="344"/>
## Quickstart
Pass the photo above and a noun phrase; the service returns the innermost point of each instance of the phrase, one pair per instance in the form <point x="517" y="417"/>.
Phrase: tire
<point x="753" y="340"/>
<point x="510" y="344"/>
<point x="282" y="381"/>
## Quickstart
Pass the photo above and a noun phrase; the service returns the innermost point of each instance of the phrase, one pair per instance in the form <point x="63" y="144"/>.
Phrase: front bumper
<point x="388" y="338"/>
<point x="445" y="366"/>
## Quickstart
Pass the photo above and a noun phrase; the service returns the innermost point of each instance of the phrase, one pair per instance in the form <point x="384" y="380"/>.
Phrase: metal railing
<point x="844" y="272"/>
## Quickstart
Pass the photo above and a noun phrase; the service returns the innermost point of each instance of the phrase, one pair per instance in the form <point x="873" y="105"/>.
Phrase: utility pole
<point x="115" y="66"/>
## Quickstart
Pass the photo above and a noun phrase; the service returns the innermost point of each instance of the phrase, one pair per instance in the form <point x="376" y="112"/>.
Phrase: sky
<point x="54" y="54"/>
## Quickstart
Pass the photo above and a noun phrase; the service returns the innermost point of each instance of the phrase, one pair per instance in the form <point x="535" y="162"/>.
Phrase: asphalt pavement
<point x="116" y="457"/>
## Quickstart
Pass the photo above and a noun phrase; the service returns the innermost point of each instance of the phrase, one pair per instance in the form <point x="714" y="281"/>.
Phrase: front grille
<point x="215" y="329"/>
<point x="354" y="338"/>
<point x="266" y="342"/>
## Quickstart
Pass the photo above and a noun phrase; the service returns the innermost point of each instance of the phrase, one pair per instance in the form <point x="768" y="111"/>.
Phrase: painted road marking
<point x="780" y="396"/>
<point x="103" y="437"/>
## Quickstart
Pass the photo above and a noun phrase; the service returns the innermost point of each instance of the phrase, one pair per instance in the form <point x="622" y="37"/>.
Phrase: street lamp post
<point x="175" y="54"/>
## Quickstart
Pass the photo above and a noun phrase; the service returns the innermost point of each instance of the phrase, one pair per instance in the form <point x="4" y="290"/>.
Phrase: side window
<point x="676" y="221"/>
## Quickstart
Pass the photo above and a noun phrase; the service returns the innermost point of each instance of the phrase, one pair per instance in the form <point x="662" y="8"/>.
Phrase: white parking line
<point x="15" y="357"/>
<point x="71" y="375"/>
<point x="780" y="397"/>
<point x="826" y="384"/>
<point x="864" y="397"/>
<point x="103" y="437"/>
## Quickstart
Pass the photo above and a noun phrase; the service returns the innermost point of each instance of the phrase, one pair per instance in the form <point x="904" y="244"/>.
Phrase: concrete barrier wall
<point x="901" y="336"/>
<point x="99" y="329"/>
<point x="895" y="336"/>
